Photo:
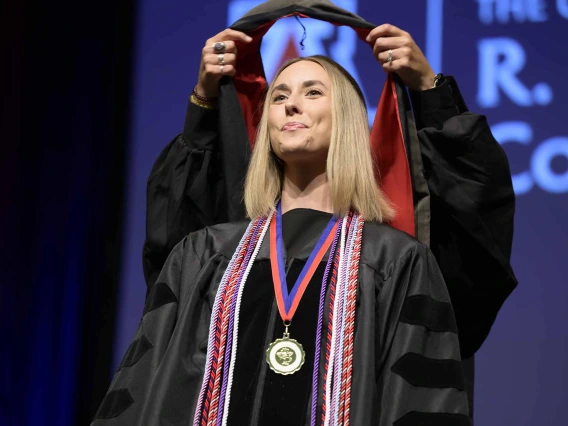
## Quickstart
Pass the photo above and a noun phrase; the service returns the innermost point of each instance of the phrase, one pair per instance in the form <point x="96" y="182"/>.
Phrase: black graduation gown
<point x="406" y="368"/>
<point x="472" y="201"/>
<point x="462" y="191"/>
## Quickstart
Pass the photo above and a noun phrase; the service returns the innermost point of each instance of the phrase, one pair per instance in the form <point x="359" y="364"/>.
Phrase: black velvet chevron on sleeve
<point x="114" y="403"/>
<point x="135" y="351"/>
<point x="160" y="294"/>
<point x="422" y="371"/>
<point x="427" y="312"/>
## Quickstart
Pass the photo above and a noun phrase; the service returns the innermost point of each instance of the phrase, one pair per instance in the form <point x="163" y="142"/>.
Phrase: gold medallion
<point x="285" y="356"/>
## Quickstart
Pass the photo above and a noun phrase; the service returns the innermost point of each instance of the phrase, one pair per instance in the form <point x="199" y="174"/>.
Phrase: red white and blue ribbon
<point x="288" y="302"/>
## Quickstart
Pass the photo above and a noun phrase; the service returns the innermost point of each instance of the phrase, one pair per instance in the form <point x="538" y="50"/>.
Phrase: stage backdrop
<point x="509" y="58"/>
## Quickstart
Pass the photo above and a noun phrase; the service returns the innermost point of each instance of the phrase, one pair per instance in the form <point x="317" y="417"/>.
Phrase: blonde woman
<point x="313" y="311"/>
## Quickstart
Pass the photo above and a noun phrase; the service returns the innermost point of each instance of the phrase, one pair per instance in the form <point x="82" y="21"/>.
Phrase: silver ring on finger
<point x="221" y="57"/>
<point x="219" y="47"/>
<point x="389" y="59"/>
<point x="221" y="69"/>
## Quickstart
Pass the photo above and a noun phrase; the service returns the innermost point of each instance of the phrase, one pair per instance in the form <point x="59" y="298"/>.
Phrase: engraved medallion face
<point x="285" y="356"/>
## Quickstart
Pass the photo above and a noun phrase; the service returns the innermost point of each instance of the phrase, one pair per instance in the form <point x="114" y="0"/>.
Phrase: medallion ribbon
<point x="288" y="301"/>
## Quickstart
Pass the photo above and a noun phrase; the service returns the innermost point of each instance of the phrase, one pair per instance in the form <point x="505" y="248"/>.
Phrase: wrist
<point x="202" y="101"/>
<point x="428" y="82"/>
<point x="210" y="94"/>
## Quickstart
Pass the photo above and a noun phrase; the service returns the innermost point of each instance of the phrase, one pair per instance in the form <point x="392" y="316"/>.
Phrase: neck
<point x="306" y="187"/>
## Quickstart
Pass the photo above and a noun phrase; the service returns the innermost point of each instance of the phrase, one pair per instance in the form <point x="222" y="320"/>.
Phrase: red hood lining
<point x="387" y="141"/>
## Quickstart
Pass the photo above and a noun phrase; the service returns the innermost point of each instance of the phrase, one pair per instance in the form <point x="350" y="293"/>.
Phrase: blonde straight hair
<point x="350" y="166"/>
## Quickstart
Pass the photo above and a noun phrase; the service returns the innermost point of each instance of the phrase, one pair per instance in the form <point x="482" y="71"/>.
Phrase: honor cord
<point x="339" y="349"/>
<point x="319" y="331"/>
<point x="212" y="325"/>
<point x="333" y="337"/>
<point x="236" y="324"/>
<point x="345" y="400"/>
<point x="249" y="259"/>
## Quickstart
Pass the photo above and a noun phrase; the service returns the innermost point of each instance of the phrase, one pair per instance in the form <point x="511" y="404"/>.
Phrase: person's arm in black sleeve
<point x="182" y="191"/>
<point x="432" y="108"/>
<point x="421" y="379"/>
<point x="472" y="205"/>
<point x="191" y="186"/>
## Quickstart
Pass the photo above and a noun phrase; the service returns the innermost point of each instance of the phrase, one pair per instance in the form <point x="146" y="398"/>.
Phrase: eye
<point x="314" y="92"/>
<point x="278" y="98"/>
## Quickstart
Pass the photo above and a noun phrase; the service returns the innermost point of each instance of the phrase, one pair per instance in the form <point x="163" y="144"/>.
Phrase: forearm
<point x="433" y="107"/>
<point x="200" y="130"/>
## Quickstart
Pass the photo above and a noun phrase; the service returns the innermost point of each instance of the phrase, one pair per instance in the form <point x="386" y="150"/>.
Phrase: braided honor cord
<point x="228" y="384"/>
<point x="212" y="326"/>
<point x="341" y="325"/>
<point x="347" y="368"/>
<point x="341" y="317"/>
<point x="315" y="377"/>
<point x="219" y="320"/>
<point x="333" y="326"/>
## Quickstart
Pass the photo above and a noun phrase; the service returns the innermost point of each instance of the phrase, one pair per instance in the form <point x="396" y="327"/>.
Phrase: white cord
<point x="236" y="321"/>
<point x="334" y="331"/>
<point x="342" y="318"/>
<point x="212" y="321"/>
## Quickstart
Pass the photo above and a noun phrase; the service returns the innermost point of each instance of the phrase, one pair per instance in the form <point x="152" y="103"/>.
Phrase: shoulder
<point x="391" y="241"/>
<point x="385" y="248"/>
<point x="222" y="239"/>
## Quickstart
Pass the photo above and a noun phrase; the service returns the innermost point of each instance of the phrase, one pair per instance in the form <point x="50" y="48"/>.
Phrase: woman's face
<point x="299" y="114"/>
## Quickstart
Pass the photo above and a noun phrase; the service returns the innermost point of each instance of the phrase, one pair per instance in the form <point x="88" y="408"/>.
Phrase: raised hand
<point x="217" y="63"/>
<point x="397" y="52"/>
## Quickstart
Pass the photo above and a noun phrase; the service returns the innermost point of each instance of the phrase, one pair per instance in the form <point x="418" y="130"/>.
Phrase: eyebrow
<point x="307" y="83"/>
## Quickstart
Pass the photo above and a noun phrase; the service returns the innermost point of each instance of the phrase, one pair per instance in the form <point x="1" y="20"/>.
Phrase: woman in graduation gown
<point x="197" y="179"/>
<point x="314" y="312"/>
<point x="462" y="190"/>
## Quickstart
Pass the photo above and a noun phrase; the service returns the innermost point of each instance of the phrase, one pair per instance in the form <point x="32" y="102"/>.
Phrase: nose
<point x="292" y="106"/>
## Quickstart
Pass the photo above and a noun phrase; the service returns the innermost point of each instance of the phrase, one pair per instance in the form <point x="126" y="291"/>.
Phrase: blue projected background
<point x="509" y="58"/>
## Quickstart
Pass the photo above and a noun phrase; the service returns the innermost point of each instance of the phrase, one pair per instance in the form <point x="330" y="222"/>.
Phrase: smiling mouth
<point x="293" y="126"/>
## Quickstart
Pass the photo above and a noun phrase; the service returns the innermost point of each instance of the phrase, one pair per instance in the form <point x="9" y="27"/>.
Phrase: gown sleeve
<point x="421" y="380"/>
<point x="472" y="208"/>
<point x="183" y="189"/>
<point x="130" y="389"/>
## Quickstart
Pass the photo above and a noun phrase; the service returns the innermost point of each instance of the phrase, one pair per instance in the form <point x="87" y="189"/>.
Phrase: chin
<point x="299" y="156"/>
<point x="294" y="142"/>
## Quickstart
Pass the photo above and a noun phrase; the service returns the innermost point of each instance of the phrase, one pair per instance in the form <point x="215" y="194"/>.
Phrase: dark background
<point x="64" y="128"/>
<point x="90" y="94"/>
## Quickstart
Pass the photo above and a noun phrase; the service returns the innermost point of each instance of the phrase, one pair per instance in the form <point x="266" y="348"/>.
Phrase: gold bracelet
<point x="437" y="79"/>
<point x="196" y="101"/>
